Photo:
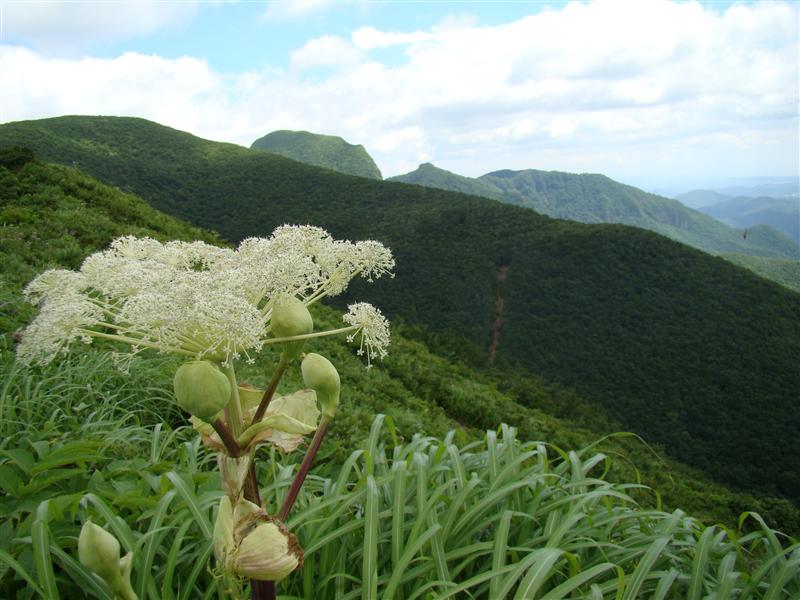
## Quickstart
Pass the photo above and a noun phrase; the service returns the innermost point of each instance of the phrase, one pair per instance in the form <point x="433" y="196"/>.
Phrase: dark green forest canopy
<point x="687" y="349"/>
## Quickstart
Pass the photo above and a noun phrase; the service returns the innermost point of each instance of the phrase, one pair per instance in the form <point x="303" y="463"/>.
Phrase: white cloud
<point x="326" y="51"/>
<point x="641" y="87"/>
<point x="73" y="26"/>
<point x="170" y="91"/>
<point x="280" y="10"/>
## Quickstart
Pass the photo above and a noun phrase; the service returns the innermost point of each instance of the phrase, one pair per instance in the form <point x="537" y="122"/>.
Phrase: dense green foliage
<point x="687" y="349"/>
<point x="485" y="514"/>
<point x="422" y="392"/>
<point x="598" y="199"/>
<point x="54" y="216"/>
<point x="785" y="271"/>
<point x="82" y="440"/>
<point x="327" y="151"/>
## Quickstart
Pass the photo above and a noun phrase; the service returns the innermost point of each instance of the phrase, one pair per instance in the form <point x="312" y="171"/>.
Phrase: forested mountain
<point x="699" y="198"/>
<point x="685" y="348"/>
<point x="54" y="216"/>
<point x="328" y="151"/>
<point x="432" y="176"/>
<point x="597" y="199"/>
<point x="744" y="212"/>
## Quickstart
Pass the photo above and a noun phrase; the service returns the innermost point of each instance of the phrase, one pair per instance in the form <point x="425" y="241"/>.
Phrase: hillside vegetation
<point x="597" y="199"/>
<point x="781" y="270"/>
<point x="327" y="151"/>
<point x="518" y="512"/>
<point x="689" y="350"/>
<point x="421" y="391"/>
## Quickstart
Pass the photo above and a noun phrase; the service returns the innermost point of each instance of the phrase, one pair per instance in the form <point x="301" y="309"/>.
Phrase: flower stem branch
<point x="227" y="438"/>
<point x="270" y="391"/>
<point x="308" y="336"/>
<point x="236" y="420"/>
<point x="305" y="467"/>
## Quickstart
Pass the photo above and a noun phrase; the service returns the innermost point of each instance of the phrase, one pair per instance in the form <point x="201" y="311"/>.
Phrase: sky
<point x="645" y="91"/>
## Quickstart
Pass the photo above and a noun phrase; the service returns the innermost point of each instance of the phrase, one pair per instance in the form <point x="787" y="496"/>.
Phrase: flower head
<point x="191" y="298"/>
<point x="373" y="329"/>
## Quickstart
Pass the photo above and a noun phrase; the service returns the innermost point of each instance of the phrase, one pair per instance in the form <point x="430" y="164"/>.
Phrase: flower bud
<point x="98" y="550"/>
<point x="321" y="376"/>
<point x="251" y="544"/>
<point x="201" y="389"/>
<point x="290" y="317"/>
<point x="223" y="530"/>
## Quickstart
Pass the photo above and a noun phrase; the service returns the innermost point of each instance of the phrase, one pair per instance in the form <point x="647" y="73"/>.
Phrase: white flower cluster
<point x="194" y="299"/>
<point x="372" y="327"/>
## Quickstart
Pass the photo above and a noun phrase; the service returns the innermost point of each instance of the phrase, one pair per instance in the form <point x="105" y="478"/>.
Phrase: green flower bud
<point x="321" y="376"/>
<point x="290" y="317"/>
<point x="98" y="550"/>
<point x="201" y="389"/>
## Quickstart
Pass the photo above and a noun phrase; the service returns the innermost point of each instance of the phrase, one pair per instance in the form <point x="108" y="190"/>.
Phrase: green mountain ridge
<point x="430" y="175"/>
<point x="744" y="212"/>
<point x="685" y="348"/>
<point x="327" y="151"/>
<point x="592" y="198"/>
<point x="421" y="391"/>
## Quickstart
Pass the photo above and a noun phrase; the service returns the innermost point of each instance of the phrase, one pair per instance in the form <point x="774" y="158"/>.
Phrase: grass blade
<point x="369" y="569"/>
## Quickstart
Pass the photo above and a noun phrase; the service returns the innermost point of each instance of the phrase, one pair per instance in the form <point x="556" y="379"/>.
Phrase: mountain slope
<point x="422" y="392"/>
<point x="685" y="348"/>
<point x="432" y="176"/>
<point x="743" y="213"/>
<point x="328" y="151"/>
<point x="597" y="199"/>
<point x="53" y="216"/>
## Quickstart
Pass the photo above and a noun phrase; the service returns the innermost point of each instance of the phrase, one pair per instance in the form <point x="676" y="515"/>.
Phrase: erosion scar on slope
<point x="499" y="307"/>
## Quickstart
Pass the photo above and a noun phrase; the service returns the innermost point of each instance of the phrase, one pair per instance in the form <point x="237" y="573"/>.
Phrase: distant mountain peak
<point x="327" y="151"/>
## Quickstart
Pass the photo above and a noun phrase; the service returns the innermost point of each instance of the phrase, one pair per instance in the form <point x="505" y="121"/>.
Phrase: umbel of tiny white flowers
<point x="202" y="301"/>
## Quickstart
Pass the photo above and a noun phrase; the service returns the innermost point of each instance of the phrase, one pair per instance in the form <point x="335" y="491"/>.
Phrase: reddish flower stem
<point x="305" y="467"/>
<point x="270" y="391"/>
<point x="227" y="438"/>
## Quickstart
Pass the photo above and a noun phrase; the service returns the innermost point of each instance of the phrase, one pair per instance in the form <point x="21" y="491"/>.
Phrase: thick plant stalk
<point x="289" y="501"/>
<point x="227" y="438"/>
<point x="262" y="590"/>
<point x="305" y="467"/>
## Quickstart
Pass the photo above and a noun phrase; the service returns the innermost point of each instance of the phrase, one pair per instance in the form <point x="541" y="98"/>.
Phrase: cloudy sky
<point x="643" y="91"/>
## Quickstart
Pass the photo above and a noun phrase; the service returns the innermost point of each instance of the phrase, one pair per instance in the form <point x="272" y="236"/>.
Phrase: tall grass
<point x="427" y="518"/>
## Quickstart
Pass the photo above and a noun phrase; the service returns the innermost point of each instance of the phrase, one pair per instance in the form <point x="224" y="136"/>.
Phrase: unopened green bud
<point x="290" y="317"/>
<point x="98" y="550"/>
<point x="322" y="377"/>
<point x="201" y="389"/>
